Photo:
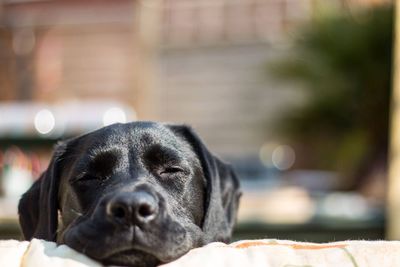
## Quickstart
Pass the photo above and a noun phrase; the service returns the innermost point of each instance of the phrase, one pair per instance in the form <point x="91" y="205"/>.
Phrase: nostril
<point x="118" y="211"/>
<point x="145" y="210"/>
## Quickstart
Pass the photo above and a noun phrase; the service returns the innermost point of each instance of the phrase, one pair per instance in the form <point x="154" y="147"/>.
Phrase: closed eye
<point x="90" y="177"/>
<point x="87" y="177"/>
<point x="171" y="170"/>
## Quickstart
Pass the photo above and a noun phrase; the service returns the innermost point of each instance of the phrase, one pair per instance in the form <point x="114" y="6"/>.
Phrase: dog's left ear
<point x="38" y="207"/>
<point x="223" y="192"/>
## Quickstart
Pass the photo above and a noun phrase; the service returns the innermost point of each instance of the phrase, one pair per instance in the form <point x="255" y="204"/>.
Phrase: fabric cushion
<point x="246" y="253"/>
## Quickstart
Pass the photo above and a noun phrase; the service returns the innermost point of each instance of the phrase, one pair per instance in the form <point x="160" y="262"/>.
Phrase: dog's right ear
<point x="38" y="207"/>
<point x="222" y="189"/>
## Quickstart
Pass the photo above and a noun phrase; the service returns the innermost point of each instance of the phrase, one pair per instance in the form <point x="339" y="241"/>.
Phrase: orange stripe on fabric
<point x="294" y="246"/>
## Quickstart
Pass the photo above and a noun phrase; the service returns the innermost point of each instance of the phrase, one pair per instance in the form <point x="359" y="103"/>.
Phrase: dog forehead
<point x="135" y="135"/>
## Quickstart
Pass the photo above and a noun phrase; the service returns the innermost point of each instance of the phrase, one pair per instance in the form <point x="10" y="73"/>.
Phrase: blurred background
<point x="294" y="93"/>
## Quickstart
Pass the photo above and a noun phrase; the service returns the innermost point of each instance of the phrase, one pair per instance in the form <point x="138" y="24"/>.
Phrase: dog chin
<point x="111" y="254"/>
<point x="121" y="249"/>
<point x="132" y="257"/>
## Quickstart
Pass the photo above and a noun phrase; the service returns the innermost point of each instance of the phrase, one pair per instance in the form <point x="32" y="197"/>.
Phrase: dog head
<point x="136" y="194"/>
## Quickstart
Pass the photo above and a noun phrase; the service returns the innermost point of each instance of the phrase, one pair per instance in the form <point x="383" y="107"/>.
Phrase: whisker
<point x="85" y="247"/>
<point x="76" y="212"/>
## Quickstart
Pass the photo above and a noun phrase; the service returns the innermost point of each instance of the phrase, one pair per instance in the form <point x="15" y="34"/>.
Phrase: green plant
<point x="343" y="64"/>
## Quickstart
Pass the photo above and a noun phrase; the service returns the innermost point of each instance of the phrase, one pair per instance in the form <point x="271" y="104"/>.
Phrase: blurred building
<point x="187" y="61"/>
<point x="55" y="51"/>
<point x="212" y="68"/>
<point x="190" y="61"/>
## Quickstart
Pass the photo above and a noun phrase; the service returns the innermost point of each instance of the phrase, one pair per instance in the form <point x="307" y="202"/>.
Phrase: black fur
<point x="136" y="194"/>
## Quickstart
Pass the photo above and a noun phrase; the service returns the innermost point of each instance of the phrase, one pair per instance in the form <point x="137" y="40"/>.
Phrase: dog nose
<point x="132" y="208"/>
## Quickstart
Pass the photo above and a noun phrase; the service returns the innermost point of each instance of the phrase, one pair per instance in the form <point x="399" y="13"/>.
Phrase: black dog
<point x="136" y="194"/>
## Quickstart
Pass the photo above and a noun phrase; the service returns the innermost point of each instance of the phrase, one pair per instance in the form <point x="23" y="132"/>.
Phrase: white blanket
<point x="283" y="253"/>
<point x="254" y="253"/>
<point x="39" y="253"/>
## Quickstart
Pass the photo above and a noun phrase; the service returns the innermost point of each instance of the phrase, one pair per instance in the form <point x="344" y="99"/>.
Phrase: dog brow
<point x="161" y="154"/>
<point x="104" y="161"/>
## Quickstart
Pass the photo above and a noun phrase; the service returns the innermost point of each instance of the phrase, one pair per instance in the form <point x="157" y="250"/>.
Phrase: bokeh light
<point x="44" y="121"/>
<point x="283" y="157"/>
<point x="114" y="115"/>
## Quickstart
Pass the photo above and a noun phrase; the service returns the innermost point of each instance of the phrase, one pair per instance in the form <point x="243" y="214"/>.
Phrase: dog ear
<point x="222" y="189"/>
<point x="38" y="207"/>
